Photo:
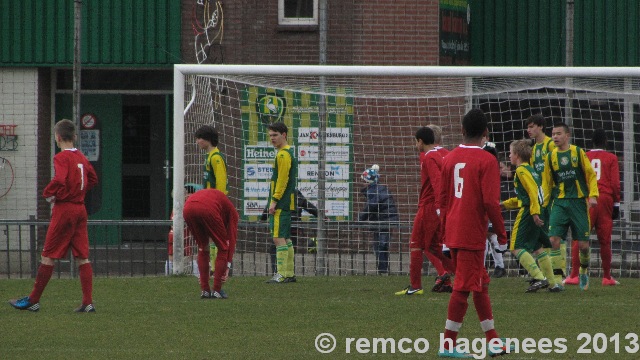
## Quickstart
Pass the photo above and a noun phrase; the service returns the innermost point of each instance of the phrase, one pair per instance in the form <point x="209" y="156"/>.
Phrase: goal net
<point x="343" y="120"/>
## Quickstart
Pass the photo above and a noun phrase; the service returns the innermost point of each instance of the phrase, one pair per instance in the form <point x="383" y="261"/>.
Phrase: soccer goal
<point x="344" y="119"/>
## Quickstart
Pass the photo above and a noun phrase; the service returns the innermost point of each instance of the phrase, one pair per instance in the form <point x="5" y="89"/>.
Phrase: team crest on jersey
<point x="564" y="161"/>
<point x="538" y="153"/>
<point x="270" y="108"/>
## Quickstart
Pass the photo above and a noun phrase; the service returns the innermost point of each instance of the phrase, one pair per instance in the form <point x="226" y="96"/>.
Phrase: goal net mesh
<point x="373" y="120"/>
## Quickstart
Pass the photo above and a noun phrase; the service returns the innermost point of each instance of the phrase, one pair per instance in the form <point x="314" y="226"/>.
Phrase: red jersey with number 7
<point x="470" y="197"/>
<point x="605" y="165"/>
<point x="74" y="175"/>
<point x="430" y="168"/>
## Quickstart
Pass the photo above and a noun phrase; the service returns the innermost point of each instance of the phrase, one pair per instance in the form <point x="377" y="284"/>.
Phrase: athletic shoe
<point x="410" y="291"/>
<point x="454" y="353"/>
<point x="205" y="295"/>
<point x="86" y="309"/>
<point x="556" y="288"/>
<point x="24" y="304"/>
<point x="609" y="282"/>
<point x="499" y="272"/>
<point x="537" y="285"/>
<point x="219" y="294"/>
<point x="584" y="282"/>
<point x="290" y="279"/>
<point x="440" y="282"/>
<point x="571" y="281"/>
<point x="503" y="350"/>
<point x="276" y="279"/>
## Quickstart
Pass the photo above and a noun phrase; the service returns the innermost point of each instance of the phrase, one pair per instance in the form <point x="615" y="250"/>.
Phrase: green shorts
<point x="280" y="224"/>
<point x="571" y="213"/>
<point x="525" y="234"/>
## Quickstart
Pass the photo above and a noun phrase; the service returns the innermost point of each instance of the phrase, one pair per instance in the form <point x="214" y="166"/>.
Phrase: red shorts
<point x="470" y="272"/>
<point x="68" y="229"/>
<point x="204" y="224"/>
<point x="426" y="229"/>
<point x="189" y="243"/>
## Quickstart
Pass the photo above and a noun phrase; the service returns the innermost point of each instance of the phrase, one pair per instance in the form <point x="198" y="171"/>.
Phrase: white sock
<point x="497" y="257"/>
<point x="168" y="267"/>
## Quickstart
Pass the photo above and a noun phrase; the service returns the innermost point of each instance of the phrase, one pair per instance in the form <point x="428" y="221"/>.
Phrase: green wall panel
<point x="114" y="32"/>
<point x="606" y="33"/>
<point x="517" y="33"/>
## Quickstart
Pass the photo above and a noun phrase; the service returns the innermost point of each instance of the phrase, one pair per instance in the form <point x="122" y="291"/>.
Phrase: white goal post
<point x="368" y="115"/>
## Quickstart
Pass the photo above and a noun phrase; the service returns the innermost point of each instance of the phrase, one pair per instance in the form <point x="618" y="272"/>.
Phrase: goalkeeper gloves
<point x="616" y="212"/>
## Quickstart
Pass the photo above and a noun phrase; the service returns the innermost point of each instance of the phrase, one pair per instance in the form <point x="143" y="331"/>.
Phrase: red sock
<point x="203" y="268"/>
<point x="445" y="262"/>
<point x="485" y="315"/>
<point x="221" y="267"/>
<point x="42" y="278"/>
<point x="435" y="261"/>
<point x="86" y="283"/>
<point x="605" y="254"/>
<point x="455" y="313"/>
<point x="575" y="259"/>
<point x="415" y="269"/>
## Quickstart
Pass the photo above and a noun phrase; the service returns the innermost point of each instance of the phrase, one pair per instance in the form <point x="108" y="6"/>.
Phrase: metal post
<point x="321" y="259"/>
<point x="33" y="247"/>
<point x="77" y="61"/>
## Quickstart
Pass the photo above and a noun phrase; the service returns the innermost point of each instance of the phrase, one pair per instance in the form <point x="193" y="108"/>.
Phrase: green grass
<point x="164" y="318"/>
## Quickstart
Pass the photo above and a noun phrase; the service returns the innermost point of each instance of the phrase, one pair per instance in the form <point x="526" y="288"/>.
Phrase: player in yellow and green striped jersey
<point x="528" y="236"/>
<point x="539" y="150"/>
<point x="568" y="173"/>
<point x="215" y="170"/>
<point x="282" y="202"/>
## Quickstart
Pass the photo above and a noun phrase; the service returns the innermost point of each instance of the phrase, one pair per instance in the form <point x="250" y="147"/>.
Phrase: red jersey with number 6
<point x="605" y="164"/>
<point x="74" y="175"/>
<point x="470" y="197"/>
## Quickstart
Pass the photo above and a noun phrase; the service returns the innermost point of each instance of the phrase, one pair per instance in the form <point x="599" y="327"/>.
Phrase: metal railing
<point x="125" y="248"/>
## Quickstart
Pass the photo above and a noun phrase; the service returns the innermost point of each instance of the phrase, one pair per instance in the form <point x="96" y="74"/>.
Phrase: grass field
<point x="164" y="318"/>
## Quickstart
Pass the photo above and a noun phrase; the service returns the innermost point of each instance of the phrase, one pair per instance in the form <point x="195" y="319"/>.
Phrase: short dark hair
<point x="536" y="119"/>
<point x="425" y="134"/>
<point x="278" y="127"/>
<point x="562" y="125"/>
<point x="599" y="139"/>
<point x="66" y="129"/>
<point x="208" y="133"/>
<point x="474" y="123"/>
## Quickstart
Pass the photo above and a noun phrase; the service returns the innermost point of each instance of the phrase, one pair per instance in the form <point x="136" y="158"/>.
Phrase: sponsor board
<point x="256" y="189"/>
<point x="335" y="153"/>
<point x="334" y="135"/>
<point x="254" y="152"/>
<point x="332" y="171"/>
<point x="257" y="171"/>
<point x="338" y="189"/>
<point x="337" y="208"/>
<point x="254" y="207"/>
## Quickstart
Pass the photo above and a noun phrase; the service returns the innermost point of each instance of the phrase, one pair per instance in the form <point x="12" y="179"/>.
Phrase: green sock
<point x="558" y="264"/>
<point x="281" y="259"/>
<point x="290" y="268"/>
<point x="544" y="262"/>
<point x="563" y="253"/>
<point x="527" y="261"/>
<point x="584" y="262"/>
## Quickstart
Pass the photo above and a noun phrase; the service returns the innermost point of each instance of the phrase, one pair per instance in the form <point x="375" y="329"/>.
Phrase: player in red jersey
<point x="210" y="214"/>
<point x="605" y="164"/>
<point x="470" y="197"/>
<point x="443" y="281"/>
<point x="74" y="175"/>
<point x="425" y="236"/>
